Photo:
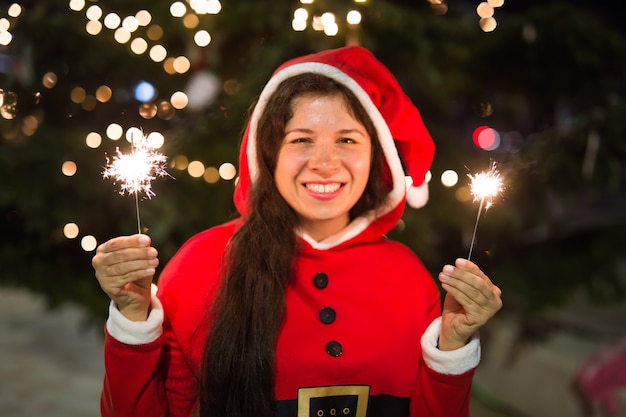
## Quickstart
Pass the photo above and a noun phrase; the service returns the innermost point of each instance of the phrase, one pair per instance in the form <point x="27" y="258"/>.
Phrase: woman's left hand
<point x="471" y="300"/>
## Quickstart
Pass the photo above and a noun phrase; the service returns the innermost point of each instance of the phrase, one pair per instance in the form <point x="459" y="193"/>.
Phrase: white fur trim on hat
<point x="416" y="197"/>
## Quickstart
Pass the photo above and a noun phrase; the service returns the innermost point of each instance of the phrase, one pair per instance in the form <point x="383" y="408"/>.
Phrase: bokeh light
<point x="180" y="162"/>
<point x="484" y="10"/>
<point x="488" y="24"/>
<point x="121" y="35"/>
<point x="143" y="17"/>
<point x="158" y="53"/>
<point x="178" y="9"/>
<point x="147" y="110"/>
<point x="78" y="94"/>
<point x="195" y="169"/>
<point x="69" y="168"/>
<point x="29" y="125"/>
<point x="77" y="5"/>
<point x="227" y="171"/>
<point x="49" y="79"/>
<point x="154" y="32"/>
<point x="139" y="46"/>
<point x="133" y="134"/>
<point x="5" y="37"/>
<point x="93" y="140"/>
<point x="94" y="12"/>
<point x="144" y="91"/>
<point x="156" y="140"/>
<point x="89" y="103"/>
<point x="14" y="10"/>
<point x="449" y="178"/>
<point x="104" y="93"/>
<point x="202" y="38"/>
<point x="70" y="230"/>
<point x="4" y="24"/>
<point x="486" y="138"/>
<point x="211" y="175"/>
<point x="130" y="23"/>
<point x="182" y="64"/>
<point x="179" y="100"/>
<point x="165" y="110"/>
<point x="112" y="21"/>
<point x="353" y="17"/>
<point x="463" y="194"/>
<point x="114" y="131"/>
<point x="88" y="243"/>
<point x="93" y="27"/>
<point x="191" y="21"/>
<point x="8" y="104"/>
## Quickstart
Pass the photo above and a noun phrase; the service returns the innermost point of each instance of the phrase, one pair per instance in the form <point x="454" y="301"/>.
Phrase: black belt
<point x="346" y="405"/>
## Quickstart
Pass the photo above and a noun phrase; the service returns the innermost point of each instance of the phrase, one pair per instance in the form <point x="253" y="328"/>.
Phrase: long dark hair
<point x="237" y="369"/>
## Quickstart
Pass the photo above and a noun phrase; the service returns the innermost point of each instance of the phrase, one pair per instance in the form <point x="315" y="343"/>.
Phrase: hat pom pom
<point x="416" y="197"/>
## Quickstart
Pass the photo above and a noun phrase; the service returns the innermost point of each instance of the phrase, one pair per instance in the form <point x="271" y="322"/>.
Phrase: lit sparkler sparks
<point x="484" y="187"/>
<point x="135" y="171"/>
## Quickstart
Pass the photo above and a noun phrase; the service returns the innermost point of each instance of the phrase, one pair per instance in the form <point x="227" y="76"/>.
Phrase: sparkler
<point x="484" y="187"/>
<point x="135" y="171"/>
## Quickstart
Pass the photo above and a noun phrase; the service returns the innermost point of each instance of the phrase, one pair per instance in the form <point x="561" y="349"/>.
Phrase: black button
<point x="334" y="348"/>
<point x="320" y="280"/>
<point x="327" y="315"/>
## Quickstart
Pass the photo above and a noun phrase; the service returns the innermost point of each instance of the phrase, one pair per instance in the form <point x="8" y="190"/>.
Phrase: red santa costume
<point x="360" y="332"/>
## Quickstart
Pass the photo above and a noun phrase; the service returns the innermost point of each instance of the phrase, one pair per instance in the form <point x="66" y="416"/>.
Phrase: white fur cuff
<point x="136" y="332"/>
<point x="454" y="362"/>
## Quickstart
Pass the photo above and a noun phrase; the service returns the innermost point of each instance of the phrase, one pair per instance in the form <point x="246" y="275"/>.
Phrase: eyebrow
<point x="341" y="131"/>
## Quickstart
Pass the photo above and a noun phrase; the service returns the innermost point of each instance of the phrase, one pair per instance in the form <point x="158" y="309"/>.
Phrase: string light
<point x="325" y="21"/>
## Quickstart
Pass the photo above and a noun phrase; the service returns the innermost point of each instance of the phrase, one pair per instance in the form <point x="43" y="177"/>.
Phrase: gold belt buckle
<point x="319" y="401"/>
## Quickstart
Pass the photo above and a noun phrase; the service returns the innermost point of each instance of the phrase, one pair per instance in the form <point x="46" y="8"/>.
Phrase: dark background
<point x="550" y="78"/>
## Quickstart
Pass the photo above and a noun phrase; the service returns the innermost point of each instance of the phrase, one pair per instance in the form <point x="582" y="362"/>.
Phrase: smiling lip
<point x="323" y="191"/>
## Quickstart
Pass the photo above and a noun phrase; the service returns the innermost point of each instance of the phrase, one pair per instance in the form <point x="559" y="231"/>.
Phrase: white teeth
<point x="323" y="188"/>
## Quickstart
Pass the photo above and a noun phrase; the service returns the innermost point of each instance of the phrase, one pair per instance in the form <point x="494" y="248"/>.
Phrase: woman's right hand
<point x="124" y="268"/>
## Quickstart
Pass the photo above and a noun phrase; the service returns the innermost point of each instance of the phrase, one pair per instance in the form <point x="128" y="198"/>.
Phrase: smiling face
<point x="323" y="163"/>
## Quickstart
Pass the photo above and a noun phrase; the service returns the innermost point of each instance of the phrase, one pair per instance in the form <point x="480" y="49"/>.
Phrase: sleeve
<point x="444" y="383"/>
<point x="145" y="370"/>
<point x="132" y="381"/>
<point x="151" y="367"/>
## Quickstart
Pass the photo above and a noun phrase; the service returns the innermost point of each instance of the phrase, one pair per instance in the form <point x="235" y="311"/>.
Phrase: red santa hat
<point x="404" y="139"/>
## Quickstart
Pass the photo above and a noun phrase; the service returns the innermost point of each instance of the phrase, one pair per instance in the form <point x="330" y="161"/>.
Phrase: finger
<point x="469" y="266"/>
<point x="135" y="278"/>
<point x="116" y="283"/>
<point x="112" y="250"/>
<point x="106" y="260"/>
<point x="465" y="295"/>
<point x="135" y="268"/>
<point x="474" y="314"/>
<point x="463" y="267"/>
<point x="468" y="288"/>
<point x="124" y="242"/>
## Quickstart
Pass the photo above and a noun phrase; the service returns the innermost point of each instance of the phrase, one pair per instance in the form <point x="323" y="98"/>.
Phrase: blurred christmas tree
<point x="543" y="95"/>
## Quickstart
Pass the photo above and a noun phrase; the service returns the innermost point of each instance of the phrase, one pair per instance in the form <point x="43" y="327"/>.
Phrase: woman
<point x="301" y="307"/>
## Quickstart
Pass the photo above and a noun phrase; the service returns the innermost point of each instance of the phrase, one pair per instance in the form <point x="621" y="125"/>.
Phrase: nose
<point x="324" y="157"/>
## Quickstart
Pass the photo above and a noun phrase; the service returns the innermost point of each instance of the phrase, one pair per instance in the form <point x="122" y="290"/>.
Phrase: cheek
<point x="285" y="172"/>
<point x="361" y="166"/>
<point x="289" y="163"/>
